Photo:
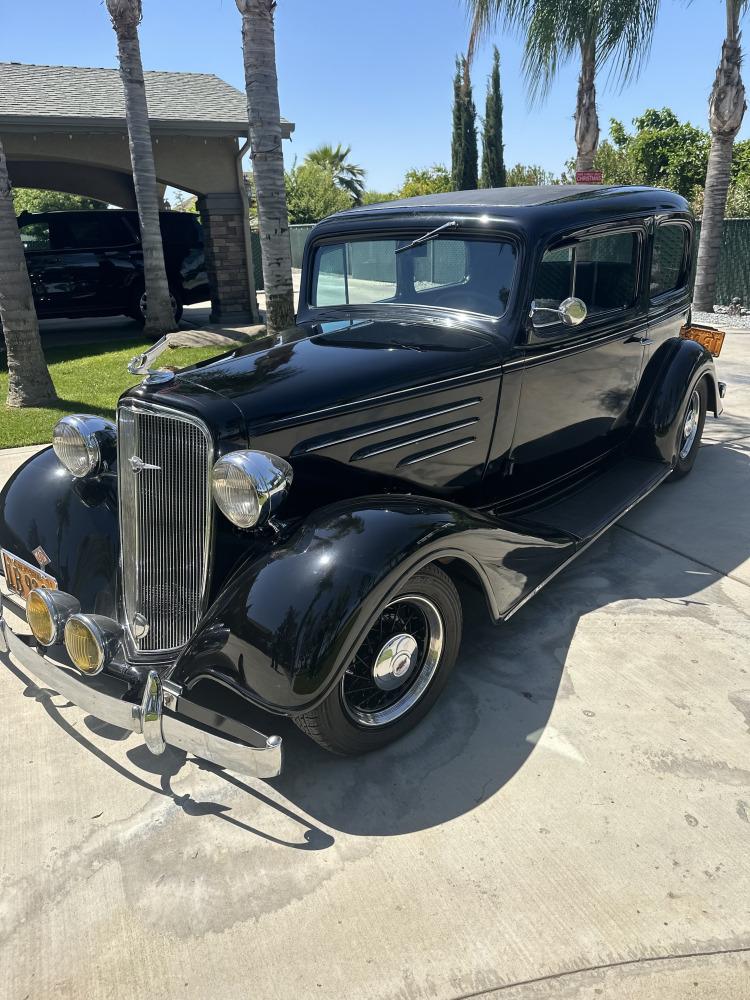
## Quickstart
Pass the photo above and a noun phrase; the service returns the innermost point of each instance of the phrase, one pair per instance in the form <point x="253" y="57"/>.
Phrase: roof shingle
<point x="89" y="97"/>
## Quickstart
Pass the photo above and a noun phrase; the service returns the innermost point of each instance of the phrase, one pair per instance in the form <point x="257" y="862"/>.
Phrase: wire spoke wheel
<point x="393" y="667"/>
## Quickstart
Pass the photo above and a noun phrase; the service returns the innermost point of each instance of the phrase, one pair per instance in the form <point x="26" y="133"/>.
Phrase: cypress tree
<point x="464" y="156"/>
<point x="493" y="160"/>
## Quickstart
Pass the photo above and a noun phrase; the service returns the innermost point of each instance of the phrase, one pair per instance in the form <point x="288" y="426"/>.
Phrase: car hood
<point x="317" y="367"/>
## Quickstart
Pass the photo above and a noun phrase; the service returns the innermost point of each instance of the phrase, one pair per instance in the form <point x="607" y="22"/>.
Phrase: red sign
<point x="588" y="176"/>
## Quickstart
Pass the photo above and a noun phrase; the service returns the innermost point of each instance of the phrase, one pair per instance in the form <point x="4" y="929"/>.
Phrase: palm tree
<point x="29" y="382"/>
<point x="595" y="31"/>
<point x="726" y="108"/>
<point x="264" y="117"/>
<point x="126" y="16"/>
<point x="347" y="176"/>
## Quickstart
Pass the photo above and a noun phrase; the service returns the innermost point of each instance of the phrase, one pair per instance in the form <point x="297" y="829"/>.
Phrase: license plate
<point x="22" y="578"/>
<point x="711" y="339"/>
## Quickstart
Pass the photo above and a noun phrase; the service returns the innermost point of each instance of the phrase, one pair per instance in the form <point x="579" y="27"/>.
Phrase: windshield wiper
<point x="427" y="236"/>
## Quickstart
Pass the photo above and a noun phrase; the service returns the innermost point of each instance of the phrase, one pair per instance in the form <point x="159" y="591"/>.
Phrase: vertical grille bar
<point x="165" y="522"/>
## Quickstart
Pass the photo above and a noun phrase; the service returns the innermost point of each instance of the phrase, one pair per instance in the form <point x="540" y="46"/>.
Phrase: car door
<point x="48" y="282"/>
<point x="578" y="381"/>
<point x="93" y="254"/>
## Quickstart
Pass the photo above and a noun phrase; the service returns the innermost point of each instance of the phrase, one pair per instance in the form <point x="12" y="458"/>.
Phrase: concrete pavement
<point x="572" y="819"/>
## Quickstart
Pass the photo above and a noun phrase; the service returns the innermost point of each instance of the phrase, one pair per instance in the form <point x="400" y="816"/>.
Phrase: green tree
<point x="38" y="200"/>
<point x="726" y="109"/>
<point x="427" y="180"/>
<point x="376" y="197"/>
<point x="312" y="194"/>
<point x="464" y="157"/>
<point x="493" y="161"/>
<point x="29" y="382"/>
<point x="521" y="174"/>
<point x="596" y="32"/>
<point x="126" y="16"/>
<point x="347" y="176"/>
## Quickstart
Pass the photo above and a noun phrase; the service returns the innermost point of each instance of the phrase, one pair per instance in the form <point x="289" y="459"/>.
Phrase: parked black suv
<point x="90" y="263"/>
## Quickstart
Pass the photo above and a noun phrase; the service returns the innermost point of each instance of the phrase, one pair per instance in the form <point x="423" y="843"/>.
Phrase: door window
<point x="602" y="271"/>
<point x="669" y="259"/>
<point x="35" y="235"/>
<point x="89" y="231"/>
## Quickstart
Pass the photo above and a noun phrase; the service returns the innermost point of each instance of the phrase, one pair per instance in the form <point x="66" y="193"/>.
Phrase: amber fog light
<point x="47" y="611"/>
<point x="91" y="641"/>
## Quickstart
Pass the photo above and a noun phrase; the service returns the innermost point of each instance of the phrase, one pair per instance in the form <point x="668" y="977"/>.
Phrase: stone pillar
<point x="226" y="260"/>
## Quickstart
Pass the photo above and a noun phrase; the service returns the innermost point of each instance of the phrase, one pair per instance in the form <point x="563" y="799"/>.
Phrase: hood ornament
<point x="140" y="364"/>
<point x="138" y="465"/>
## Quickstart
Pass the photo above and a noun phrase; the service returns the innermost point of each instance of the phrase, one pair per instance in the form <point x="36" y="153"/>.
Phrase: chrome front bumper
<point x="159" y="729"/>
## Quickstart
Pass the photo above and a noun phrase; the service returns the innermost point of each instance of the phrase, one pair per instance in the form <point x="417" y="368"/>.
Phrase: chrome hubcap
<point x="396" y="663"/>
<point x="690" y="427"/>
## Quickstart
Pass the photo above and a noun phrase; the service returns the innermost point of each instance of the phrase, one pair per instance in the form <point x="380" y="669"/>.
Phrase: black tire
<point x="136" y="304"/>
<point x="687" y="453"/>
<point x="334" y="723"/>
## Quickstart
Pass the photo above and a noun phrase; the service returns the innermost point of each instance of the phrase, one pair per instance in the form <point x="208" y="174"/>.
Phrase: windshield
<point x="470" y="275"/>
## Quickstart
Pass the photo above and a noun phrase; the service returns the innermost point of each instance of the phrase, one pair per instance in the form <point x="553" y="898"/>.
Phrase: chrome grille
<point x="165" y="523"/>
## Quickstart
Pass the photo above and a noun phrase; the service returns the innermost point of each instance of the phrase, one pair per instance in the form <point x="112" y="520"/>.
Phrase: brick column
<point x="226" y="260"/>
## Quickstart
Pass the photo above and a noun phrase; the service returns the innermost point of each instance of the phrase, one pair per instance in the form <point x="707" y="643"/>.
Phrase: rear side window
<point x="35" y="235"/>
<point x="603" y="271"/>
<point x="89" y="231"/>
<point x="669" y="259"/>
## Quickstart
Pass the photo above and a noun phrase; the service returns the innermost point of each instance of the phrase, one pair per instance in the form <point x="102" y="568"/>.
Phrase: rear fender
<point x="287" y="624"/>
<point x="670" y="376"/>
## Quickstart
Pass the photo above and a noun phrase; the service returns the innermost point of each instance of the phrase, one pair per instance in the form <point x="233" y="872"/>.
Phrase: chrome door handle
<point x="639" y="340"/>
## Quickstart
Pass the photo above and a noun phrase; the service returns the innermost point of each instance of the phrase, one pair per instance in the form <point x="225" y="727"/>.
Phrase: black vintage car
<point x="90" y="263"/>
<point x="478" y="385"/>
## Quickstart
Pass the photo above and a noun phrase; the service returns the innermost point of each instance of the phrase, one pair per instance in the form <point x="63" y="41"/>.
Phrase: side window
<point x="35" y="236"/>
<point x="603" y="271"/>
<point x="669" y="259"/>
<point x="89" y="231"/>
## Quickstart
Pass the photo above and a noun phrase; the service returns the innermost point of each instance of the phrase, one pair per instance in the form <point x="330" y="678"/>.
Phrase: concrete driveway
<point x="572" y="820"/>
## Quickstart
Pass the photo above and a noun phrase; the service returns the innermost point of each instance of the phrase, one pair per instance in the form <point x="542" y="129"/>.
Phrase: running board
<point x="587" y="512"/>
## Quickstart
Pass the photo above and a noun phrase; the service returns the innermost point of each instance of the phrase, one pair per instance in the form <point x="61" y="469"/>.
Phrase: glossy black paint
<point x="72" y="277"/>
<point x="287" y="622"/>
<point x="414" y="434"/>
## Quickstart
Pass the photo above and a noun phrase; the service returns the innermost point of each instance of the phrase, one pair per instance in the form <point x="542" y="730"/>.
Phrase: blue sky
<point x="378" y="75"/>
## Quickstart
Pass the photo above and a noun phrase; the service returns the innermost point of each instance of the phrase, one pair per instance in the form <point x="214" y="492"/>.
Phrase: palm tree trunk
<point x="726" y="108"/>
<point x="126" y="16"/>
<point x="587" y="121"/>
<point x="264" y="117"/>
<point x="29" y="382"/>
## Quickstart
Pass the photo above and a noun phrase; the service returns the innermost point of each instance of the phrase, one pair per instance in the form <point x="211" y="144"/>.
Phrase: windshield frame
<point x="474" y="229"/>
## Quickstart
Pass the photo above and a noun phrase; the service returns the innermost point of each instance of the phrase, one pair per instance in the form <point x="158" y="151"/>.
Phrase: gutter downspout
<point x="254" y="311"/>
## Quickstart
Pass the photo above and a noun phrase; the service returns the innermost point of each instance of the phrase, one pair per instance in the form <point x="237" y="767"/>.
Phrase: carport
<point x="63" y="128"/>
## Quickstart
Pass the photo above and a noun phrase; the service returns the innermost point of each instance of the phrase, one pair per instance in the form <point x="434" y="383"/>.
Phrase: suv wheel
<point x="140" y="305"/>
<point x="397" y="673"/>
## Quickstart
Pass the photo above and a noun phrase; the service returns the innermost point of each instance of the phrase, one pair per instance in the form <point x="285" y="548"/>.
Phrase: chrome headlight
<point x="47" y="611"/>
<point x="91" y="641"/>
<point x="249" y="485"/>
<point x="84" y="444"/>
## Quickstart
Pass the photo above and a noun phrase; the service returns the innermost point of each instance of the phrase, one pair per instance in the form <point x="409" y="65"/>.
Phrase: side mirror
<point x="571" y="312"/>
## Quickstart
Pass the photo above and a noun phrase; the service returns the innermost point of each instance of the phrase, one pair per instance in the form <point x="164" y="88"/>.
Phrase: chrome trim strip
<point x="381" y="449"/>
<point x="141" y="530"/>
<point x="262" y="761"/>
<point x="434" y="452"/>
<point x="388" y="425"/>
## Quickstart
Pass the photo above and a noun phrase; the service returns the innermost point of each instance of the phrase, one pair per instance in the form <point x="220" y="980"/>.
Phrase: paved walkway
<point x="572" y="820"/>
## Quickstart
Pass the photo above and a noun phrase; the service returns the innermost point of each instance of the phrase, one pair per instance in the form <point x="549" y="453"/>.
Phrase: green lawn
<point x="89" y="378"/>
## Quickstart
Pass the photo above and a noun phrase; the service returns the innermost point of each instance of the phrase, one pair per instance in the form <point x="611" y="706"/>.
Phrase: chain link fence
<point x="734" y="269"/>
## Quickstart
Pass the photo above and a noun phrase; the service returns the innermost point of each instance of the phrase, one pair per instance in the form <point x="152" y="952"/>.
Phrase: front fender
<point x="670" y="376"/>
<point x="74" y="521"/>
<point x="289" y="621"/>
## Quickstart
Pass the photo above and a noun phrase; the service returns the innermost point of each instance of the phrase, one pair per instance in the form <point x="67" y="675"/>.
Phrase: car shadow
<point x="492" y="715"/>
